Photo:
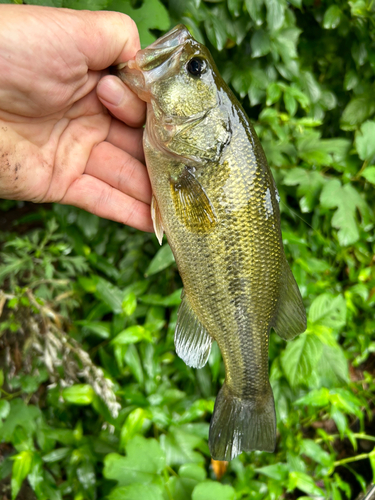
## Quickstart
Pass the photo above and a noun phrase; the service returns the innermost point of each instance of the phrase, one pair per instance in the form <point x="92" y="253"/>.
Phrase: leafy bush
<point x="94" y="402"/>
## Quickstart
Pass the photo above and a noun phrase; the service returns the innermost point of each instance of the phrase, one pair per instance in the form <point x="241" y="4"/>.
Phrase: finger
<point x="100" y="199"/>
<point x="127" y="138"/>
<point x="120" y="170"/>
<point x="107" y="38"/>
<point x="121" y="101"/>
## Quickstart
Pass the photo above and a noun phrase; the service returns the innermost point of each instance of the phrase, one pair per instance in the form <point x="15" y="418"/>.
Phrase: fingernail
<point x="111" y="91"/>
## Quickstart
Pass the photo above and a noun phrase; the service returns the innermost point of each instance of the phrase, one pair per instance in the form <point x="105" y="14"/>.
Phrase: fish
<point x="215" y="199"/>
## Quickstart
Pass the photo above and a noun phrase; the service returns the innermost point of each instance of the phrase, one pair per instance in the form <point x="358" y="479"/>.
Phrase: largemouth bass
<point x="215" y="198"/>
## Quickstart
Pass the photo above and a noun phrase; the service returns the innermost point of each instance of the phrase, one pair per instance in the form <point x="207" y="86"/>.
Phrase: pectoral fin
<point x="156" y="219"/>
<point x="192" y="205"/>
<point x="192" y="342"/>
<point x="290" y="319"/>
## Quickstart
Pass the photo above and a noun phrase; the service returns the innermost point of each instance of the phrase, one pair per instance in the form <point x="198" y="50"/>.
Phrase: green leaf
<point x="143" y="464"/>
<point x="100" y="328"/>
<point x="210" y="490"/>
<point x="365" y="141"/>
<point x="316" y="453"/>
<point x="369" y="174"/>
<point x="332" y="17"/>
<point x="57" y="455"/>
<point x="136" y="492"/>
<point x="79" y="394"/>
<point x="305" y="483"/>
<point x="163" y="259"/>
<point x="279" y="472"/>
<point x="357" y="111"/>
<point x="131" y="335"/>
<point x="216" y="31"/>
<point x="129" y="304"/>
<point x="310" y="185"/>
<point x="275" y="14"/>
<point x="179" y="445"/>
<point x="4" y="408"/>
<point x="300" y="358"/>
<point x="110" y="295"/>
<point x="254" y="8"/>
<point x="133" y="425"/>
<point x="21" y="467"/>
<point x="328" y="310"/>
<point x="19" y="415"/>
<point x="347" y="200"/>
<point x="149" y="16"/>
<point x="193" y="471"/>
<point x="260" y="43"/>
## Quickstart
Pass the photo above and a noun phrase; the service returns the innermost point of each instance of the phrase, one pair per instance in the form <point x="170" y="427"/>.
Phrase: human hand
<point x="58" y="143"/>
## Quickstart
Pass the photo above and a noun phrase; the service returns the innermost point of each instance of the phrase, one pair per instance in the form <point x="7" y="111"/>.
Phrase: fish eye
<point x="196" y="66"/>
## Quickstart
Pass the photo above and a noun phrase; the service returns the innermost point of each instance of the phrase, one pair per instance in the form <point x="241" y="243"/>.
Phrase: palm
<point x="59" y="142"/>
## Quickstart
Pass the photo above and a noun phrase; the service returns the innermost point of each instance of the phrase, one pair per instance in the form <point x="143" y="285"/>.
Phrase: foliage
<point x="95" y="402"/>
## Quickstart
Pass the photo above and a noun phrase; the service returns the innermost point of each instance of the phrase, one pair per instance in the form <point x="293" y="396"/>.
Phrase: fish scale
<point x="215" y="199"/>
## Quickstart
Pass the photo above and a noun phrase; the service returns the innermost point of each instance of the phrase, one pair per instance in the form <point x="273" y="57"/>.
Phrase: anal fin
<point x="290" y="319"/>
<point x="192" y="341"/>
<point x="156" y="219"/>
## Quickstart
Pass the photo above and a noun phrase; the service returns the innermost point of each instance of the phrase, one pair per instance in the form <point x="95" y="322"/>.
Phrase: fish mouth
<point x="153" y="62"/>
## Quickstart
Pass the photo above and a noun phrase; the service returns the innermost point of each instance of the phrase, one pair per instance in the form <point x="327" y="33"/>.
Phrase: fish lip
<point x="158" y="58"/>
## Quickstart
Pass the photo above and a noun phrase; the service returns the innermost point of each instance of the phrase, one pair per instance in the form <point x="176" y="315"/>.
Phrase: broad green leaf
<point x="357" y="111"/>
<point x="275" y="14"/>
<point x="110" y="295"/>
<point x="21" y="467"/>
<point x="163" y="259"/>
<point x="133" y="361"/>
<point x="131" y="335"/>
<point x="193" y="471"/>
<point x="132" y="425"/>
<point x="179" y="446"/>
<point x="79" y="394"/>
<point x="136" y="492"/>
<point x="254" y="8"/>
<point x="365" y="141"/>
<point x="4" y="408"/>
<point x="369" y="174"/>
<point x="347" y="200"/>
<point x="57" y="455"/>
<point x="300" y="358"/>
<point x="216" y="31"/>
<point x="260" y="43"/>
<point x="19" y="415"/>
<point x="304" y="483"/>
<point x="279" y="472"/>
<point x="129" y="304"/>
<point x="143" y="463"/>
<point x="309" y="186"/>
<point x="210" y="490"/>
<point x="100" y="328"/>
<point x="149" y="16"/>
<point x="332" y="17"/>
<point x="328" y="310"/>
<point x="316" y="453"/>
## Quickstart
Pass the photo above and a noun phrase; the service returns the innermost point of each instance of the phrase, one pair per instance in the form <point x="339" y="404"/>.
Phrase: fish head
<point x="176" y="73"/>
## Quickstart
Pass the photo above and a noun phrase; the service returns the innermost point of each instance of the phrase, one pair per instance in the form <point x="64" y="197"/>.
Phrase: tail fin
<point x="239" y="425"/>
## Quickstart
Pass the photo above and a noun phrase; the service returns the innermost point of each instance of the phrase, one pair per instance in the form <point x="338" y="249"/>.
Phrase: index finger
<point x="107" y="38"/>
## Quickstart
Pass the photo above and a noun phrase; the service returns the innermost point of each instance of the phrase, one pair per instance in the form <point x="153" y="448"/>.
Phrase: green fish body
<point x="215" y="198"/>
